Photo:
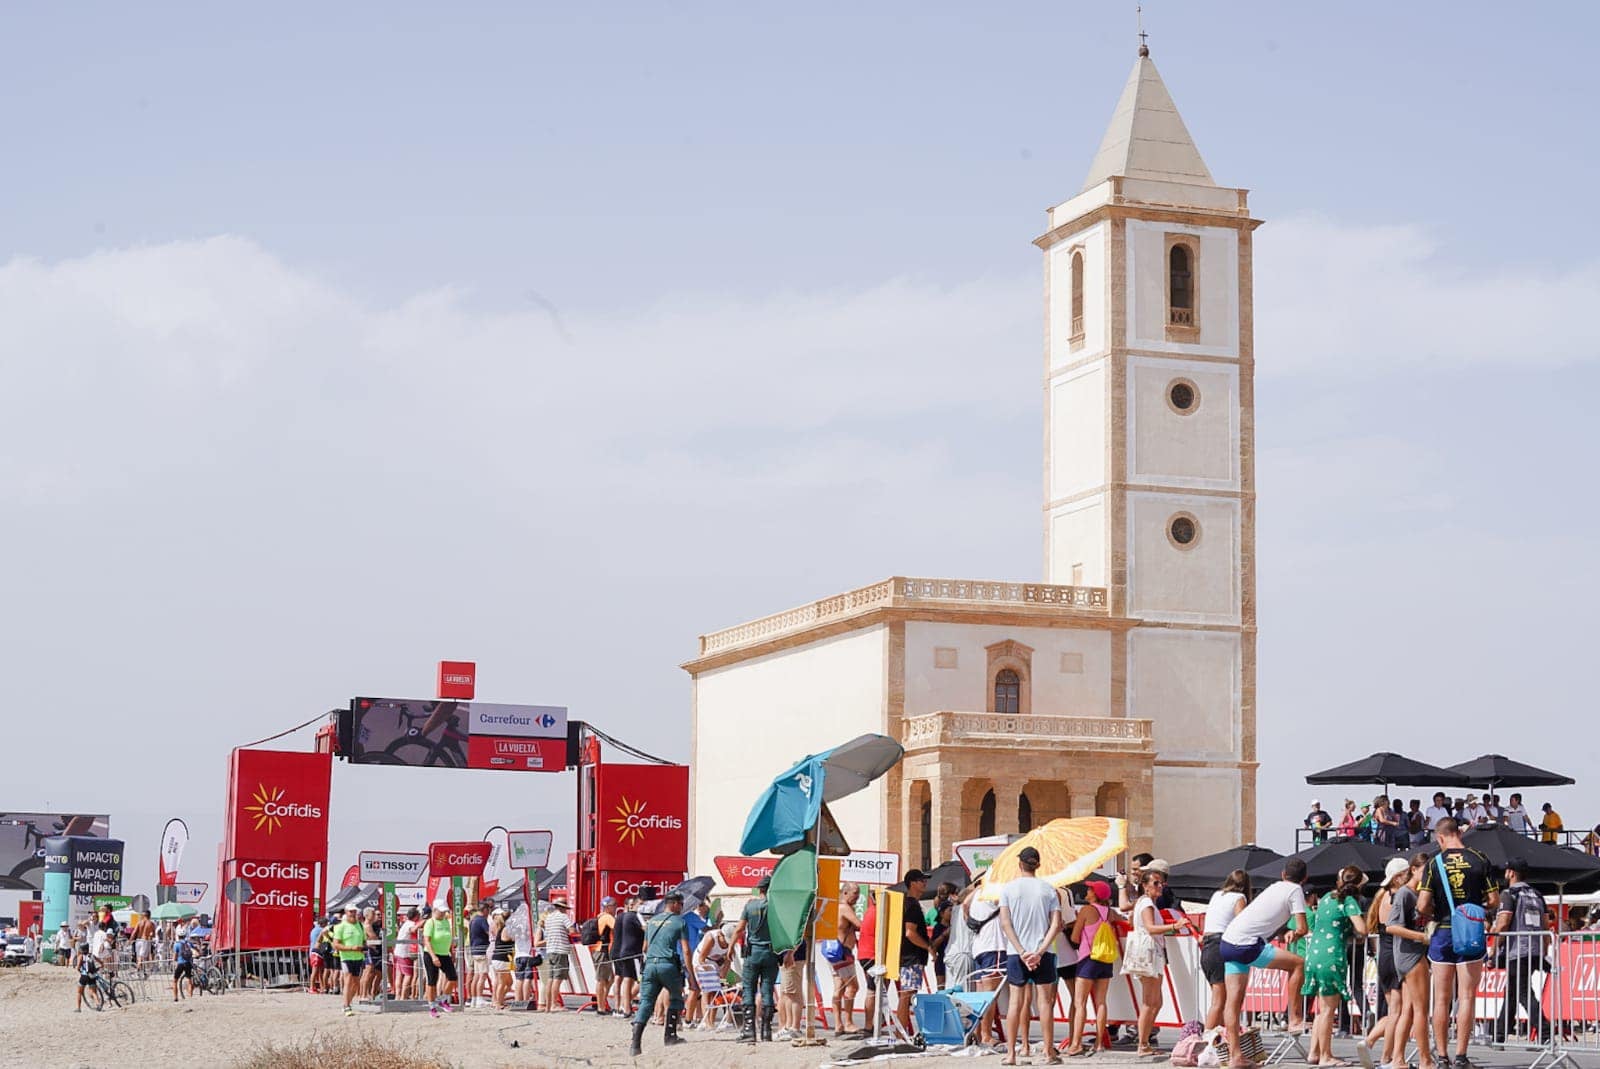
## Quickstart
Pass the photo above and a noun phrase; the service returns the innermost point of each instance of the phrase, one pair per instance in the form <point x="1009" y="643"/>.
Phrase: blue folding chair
<point x="938" y="1020"/>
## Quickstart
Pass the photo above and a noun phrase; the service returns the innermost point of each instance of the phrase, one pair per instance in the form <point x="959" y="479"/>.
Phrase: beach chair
<point x="971" y="1006"/>
<point x="938" y="1020"/>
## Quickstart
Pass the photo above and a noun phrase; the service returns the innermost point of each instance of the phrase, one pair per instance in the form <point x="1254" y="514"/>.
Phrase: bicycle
<point x="108" y="989"/>
<point x="207" y="978"/>
<point x="421" y="751"/>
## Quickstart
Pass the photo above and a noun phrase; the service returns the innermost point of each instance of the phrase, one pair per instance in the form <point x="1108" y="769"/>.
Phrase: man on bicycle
<point x="183" y="964"/>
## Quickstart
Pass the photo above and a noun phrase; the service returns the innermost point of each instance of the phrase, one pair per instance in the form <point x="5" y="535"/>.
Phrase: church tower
<point x="1148" y="449"/>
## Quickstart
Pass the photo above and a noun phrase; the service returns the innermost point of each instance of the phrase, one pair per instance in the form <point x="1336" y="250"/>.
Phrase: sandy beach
<point x="43" y="1032"/>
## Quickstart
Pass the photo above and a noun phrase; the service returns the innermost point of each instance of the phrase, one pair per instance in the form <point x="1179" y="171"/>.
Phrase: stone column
<point x="1007" y="789"/>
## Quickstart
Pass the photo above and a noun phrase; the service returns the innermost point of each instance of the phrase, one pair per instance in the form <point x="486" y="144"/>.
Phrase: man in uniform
<point x="760" y="963"/>
<point x="667" y="958"/>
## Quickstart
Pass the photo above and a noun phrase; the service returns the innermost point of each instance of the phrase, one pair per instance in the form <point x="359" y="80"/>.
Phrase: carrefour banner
<point x="278" y="805"/>
<point x="643" y="817"/>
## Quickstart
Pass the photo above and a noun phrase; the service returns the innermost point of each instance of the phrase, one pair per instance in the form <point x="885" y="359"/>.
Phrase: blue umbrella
<point x="788" y="810"/>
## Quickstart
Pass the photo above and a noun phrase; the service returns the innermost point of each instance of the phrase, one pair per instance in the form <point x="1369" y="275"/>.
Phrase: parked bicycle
<point x="108" y="989"/>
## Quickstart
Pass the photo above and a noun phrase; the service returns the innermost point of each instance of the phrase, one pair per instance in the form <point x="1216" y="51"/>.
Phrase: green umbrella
<point x="794" y="888"/>
<point x="172" y="911"/>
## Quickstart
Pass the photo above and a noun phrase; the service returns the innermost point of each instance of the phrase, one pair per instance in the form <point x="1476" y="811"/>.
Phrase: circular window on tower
<point x="1183" y="531"/>
<point x="1183" y="396"/>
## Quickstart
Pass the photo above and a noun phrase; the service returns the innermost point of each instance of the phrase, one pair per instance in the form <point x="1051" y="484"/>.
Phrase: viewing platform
<point x="1009" y="730"/>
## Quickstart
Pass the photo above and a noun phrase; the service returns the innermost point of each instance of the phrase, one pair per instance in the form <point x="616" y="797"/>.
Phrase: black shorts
<point x="353" y="966"/>
<point x="1388" y="978"/>
<point x="447" y="966"/>
<point x="86" y="981"/>
<point x="627" y="968"/>
<point x="1211" y="964"/>
<point x="183" y="968"/>
<point x="1067" y="972"/>
<point x="866" y="970"/>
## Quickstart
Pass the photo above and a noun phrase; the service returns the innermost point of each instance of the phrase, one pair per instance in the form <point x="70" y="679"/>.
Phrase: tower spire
<point x="1146" y="137"/>
<point x="1144" y="45"/>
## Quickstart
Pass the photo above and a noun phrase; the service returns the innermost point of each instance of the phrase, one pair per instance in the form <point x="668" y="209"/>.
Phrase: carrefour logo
<point x="631" y="821"/>
<point x="269" y="810"/>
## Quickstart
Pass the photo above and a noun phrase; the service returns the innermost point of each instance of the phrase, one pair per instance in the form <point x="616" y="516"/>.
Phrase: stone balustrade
<point x="903" y="591"/>
<point x="1008" y="730"/>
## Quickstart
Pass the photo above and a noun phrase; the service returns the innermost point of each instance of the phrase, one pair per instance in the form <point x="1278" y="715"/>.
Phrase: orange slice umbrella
<point x="1069" y="850"/>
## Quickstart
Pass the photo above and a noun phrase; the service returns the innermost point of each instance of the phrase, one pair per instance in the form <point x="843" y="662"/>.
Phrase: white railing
<point x="902" y="591"/>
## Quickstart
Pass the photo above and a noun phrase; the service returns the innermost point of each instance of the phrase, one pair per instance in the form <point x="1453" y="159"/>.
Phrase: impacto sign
<point x="278" y="805"/>
<point x="95" y="866"/>
<point x="377" y="866"/>
<point x="642" y="812"/>
<point x="458" y="859"/>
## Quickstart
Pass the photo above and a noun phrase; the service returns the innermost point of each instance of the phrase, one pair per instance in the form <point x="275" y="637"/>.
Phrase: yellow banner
<point x="891" y="930"/>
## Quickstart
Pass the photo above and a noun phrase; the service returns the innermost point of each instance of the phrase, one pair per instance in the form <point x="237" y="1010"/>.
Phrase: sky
<point x="334" y="342"/>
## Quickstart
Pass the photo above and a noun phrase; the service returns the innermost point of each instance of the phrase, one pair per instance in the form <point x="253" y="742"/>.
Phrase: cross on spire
<point x="1138" y="14"/>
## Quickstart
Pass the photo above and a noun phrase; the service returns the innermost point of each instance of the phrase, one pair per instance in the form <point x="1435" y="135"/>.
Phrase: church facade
<point x="1123" y="683"/>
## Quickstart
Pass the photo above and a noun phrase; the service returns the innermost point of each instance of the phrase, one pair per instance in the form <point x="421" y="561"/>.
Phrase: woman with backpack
<point x="1225" y="905"/>
<point x="1095" y="935"/>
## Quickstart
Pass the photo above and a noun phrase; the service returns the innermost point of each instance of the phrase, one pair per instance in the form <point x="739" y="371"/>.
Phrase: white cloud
<point x="1346" y="299"/>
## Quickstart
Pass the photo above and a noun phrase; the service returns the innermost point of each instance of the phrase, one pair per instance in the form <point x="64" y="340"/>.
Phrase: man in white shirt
<point x="1516" y="817"/>
<point x="1437" y="811"/>
<point x="1245" y="946"/>
<point x="988" y="959"/>
<point x="1030" y="917"/>
<point x="1474" y="814"/>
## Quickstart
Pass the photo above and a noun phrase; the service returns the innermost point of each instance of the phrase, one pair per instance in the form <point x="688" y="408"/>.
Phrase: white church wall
<point x="1093" y="243"/>
<point x="1187" y="683"/>
<point x="1198" y="448"/>
<point x="1078" y="543"/>
<point x="1078" y="431"/>
<point x="1198" y="583"/>
<point x="1196" y="811"/>
<point x="758" y="717"/>
<point x="1218" y="286"/>
<point x="1071" y="668"/>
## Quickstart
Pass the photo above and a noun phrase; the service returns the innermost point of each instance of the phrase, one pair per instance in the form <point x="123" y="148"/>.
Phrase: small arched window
<point x="1024" y="813"/>
<point x="1180" y="289"/>
<point x="1077" y="297"/>
<point x="1007" y="692"/>
<point x="986" y="815"/>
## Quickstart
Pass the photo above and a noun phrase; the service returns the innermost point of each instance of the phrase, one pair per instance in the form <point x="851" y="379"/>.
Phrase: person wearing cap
<point x="667" y="964"/>
<point x="760" y="964"/>
<point x="1030" y="917"/>
<point x="555" y="936"/>
<point x="1519" y="924"/>
<point x="1319" y="821"/>
<point x="914" y="946"/>
<point x="438" y="960"/>
<point x="1550" y="825"/>
<point x="1390" y="983"/>
<point x="350" y="943"/>
<point x="1409" y="948"/>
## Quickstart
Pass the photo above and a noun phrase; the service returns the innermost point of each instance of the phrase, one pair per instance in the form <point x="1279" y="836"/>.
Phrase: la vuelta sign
<point x="458" y="859"/>
<point x="278" y="805"/>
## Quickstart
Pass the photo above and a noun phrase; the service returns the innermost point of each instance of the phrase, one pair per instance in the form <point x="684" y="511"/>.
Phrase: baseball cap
<point x="1395" y="867"/>
<point x="1517" y="863"/>
<point x="916" y="874"/>
<point x="1101" y="889"/>
<point x="764" y="883"/>
<point x="608" y="901"/>
<point x="1316" y="801"/>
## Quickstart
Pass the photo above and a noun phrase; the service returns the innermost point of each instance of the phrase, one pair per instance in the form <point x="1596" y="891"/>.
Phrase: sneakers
<point x="1463" y="1062"/>
<point x="444" y="1004"/>
<point x="348" y="1012"/>
<point x="783" y="1035"/>
<point x="433" y="1009"/>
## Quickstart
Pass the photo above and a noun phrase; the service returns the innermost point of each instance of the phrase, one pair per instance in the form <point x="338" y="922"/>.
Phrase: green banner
<point x="391" y="922"/>
<point x="116" y="902"/>
<point x="458" y="902"/>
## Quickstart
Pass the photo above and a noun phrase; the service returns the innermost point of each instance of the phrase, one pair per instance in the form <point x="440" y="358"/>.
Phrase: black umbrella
<point x="1492" y="771"/>
<point x="1198" y="878"/>
<point x="950" y="872"/>
<point x="1383" y="769"/>
<point x="1324" y="862"/>
<point x="695" y="890"/>
<point x="1548" y="866"/>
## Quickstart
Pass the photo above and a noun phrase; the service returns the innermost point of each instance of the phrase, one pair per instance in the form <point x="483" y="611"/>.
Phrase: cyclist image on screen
<point x="426" y="734"/>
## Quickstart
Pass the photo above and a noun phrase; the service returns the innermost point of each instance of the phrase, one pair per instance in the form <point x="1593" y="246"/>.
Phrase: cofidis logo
<point x="269" y="809"/>
<point x="634" y="821"/>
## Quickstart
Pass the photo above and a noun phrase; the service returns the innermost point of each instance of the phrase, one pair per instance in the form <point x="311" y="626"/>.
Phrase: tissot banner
<point x="643" y="813"/>
<point x="278" y="805"/>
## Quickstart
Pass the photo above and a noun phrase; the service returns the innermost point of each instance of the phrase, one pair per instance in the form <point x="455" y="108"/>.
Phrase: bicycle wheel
<point x="216" y="982"/>
<point x="418" y="753"/>
<point x="122" y="993"/>
<point x="95" y="997"/>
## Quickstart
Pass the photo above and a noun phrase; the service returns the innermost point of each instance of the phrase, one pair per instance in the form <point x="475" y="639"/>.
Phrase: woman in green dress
<point x="1337" y="917"/>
